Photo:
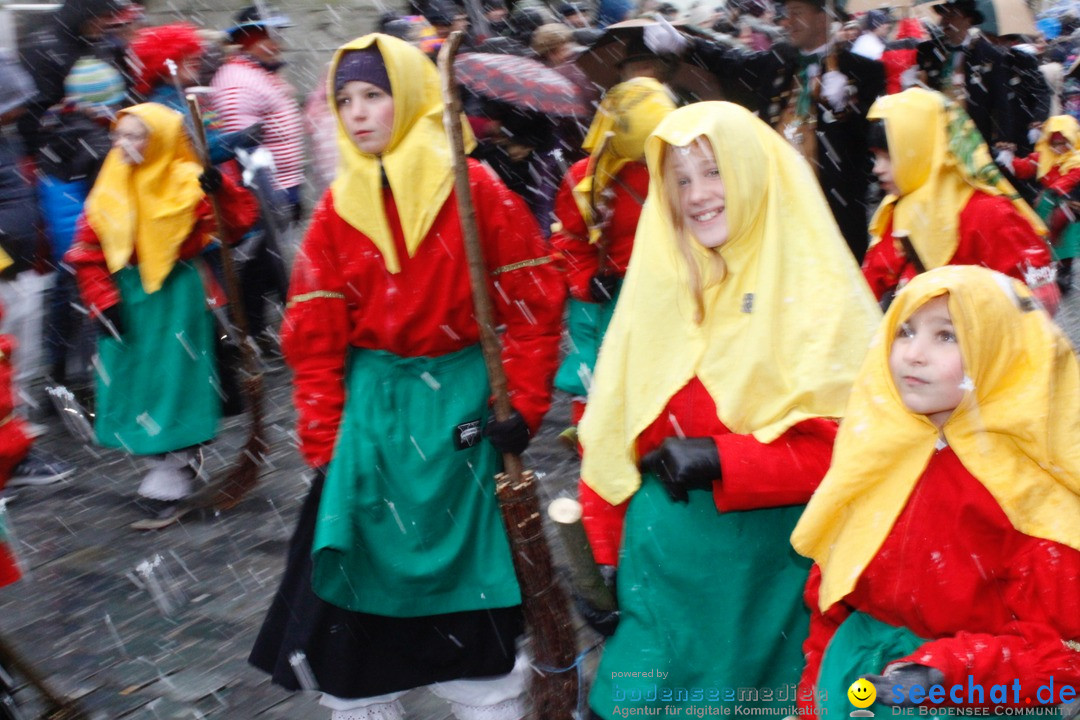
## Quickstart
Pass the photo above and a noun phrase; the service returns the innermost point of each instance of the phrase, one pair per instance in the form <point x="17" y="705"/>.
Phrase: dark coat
<point x="761" y="82"/>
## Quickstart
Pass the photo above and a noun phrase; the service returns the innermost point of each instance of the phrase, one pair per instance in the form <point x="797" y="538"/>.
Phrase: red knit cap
<point x="154" y="45"/>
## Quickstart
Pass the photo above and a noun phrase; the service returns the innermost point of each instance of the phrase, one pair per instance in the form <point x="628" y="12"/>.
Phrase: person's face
<point x="577" y="19"/>
<point x="1059" y="144"/>
<point x="461" y="23"/>
<point x="496" y="14"/>
<point x="702" y="199"/>
<point x="130" y="137"/>
<point x="926" y="364"/>
<point x="883" y="171"/>
<point x="884" y="31"/>
<point x="955" y="25"/>
<point x="266" y="49"/>
<point x="188" y="70"/>
<point x="806" y="25"/>
<point x="367" y="112"/>
<point x="850" y="34"/>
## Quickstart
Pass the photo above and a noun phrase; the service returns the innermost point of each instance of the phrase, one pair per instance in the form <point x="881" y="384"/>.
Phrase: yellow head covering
<point x="631" y="111"/>
<point x="938" y="161"/>
<point x="417" y="160"/>
<point x="1017" y="430"/>
<point x="1070" y="129"/>
<point x="149" y="207"/>
<point x="783" y="332"/>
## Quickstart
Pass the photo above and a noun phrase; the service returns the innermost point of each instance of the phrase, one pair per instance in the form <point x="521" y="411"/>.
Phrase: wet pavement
<point x="159" y="624"/>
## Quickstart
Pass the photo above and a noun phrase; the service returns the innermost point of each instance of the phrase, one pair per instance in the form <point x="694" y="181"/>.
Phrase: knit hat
<point x="153" y="46"/>
<point x="95" y="83"/>
<point x="364" y="65"/>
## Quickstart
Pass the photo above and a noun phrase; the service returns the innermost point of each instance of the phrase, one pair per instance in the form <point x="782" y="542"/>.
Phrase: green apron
<point x="862" y="645"/>
<point x="711" y="608"/>
<point x="408" y="524"/>
<point x="1068" y="243"/>
<point x="156" y="391"/>
<point x="586" y="323"/>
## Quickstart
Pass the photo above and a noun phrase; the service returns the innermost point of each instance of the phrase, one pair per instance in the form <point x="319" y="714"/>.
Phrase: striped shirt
<point x="245" y="94"/>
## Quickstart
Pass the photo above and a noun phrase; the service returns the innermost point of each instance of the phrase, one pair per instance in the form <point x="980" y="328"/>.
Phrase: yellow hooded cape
<point x="1017" y="429"/>
<point x="150" y="207"/>
<point x="1070" y="129"/>
<point x="783" y="333"/>
<point x="630" y="111"/>
<point x="417" y="160"/>
<point x="938" y="161"/>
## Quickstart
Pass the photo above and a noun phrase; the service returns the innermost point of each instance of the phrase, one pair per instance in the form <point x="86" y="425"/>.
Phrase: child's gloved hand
<point x="510" y="435"/>
<point x="904" y="677"/>
<point x="684" y="464"/>
<point x="602" y="621"/>
<point x="602" y="287"/>
<point x="211" y="181"/>
<point x="111" y="321"/>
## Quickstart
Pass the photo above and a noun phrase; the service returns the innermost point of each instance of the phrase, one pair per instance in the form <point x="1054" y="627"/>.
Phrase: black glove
<point x="111" y="321"/>
<point x="906" y="676"/>
<point x="210" y="180"/>
<point x="602" y="287"/>
<point x="602" y="621"/>
<point x="247" y="139"/>
<point x="684" y="464"/>
<point x="510" y="435"/>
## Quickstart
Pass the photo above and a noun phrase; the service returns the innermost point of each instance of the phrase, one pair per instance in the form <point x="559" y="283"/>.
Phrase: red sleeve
<point x="87" y="259"/>
<point x="784" y="472"/>
<point x="1027" y="167"/>
<point x="1067" y="182"/>
<point x="571" y="240"/>
<point x="822" y="628"/>
<point x="528" y="291"/>
<point x="239" y="209"/>
<point x="15" y="440"/>
<point x="603" y="524"/>
<point x="882" y="267"/>
<point x="315" y="338"/>
<point x="995" y="235"/>
<point x="1041" y="592"/>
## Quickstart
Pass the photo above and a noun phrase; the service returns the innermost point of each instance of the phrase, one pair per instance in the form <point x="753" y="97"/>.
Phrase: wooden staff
<point x="61" y="708"/>
<point x="554" y="689"/>
<point x="245" y="473"/>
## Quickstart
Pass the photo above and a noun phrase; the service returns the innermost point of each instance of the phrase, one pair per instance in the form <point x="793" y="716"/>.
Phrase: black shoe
<point x="155" y="509"/>
<point x="39" y="468"/>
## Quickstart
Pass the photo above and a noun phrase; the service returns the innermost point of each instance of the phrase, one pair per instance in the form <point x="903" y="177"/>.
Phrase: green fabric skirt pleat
<point x="157" y="391"/>
<point x="586" y="323"/>
<point x="711" y="608"/>
<point x="862" y="645"/>
<point x="408" y="524"/>
<point x="1068" y="243"/>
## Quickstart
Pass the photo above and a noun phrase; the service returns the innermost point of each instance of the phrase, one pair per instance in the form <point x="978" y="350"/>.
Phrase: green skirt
<point x="586" y="323"/>
<point x="157" y="391"/>
<point x="1068" y="243"/>
<point x="711" y="609"/>
<point x="408" y="524"/>
<point x="862" y="645"/>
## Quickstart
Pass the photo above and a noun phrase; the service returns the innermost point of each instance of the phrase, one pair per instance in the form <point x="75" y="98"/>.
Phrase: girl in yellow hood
<point x="146" y="220"/>
<point x="400" y="574"/>
<point x="741" y="322"/>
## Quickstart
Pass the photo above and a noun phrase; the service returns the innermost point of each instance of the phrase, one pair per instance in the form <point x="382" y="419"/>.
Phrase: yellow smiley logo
<point x="862" y="693"/>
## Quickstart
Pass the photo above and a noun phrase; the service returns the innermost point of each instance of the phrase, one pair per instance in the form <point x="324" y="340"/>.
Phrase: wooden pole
<point x="554" y="688"/>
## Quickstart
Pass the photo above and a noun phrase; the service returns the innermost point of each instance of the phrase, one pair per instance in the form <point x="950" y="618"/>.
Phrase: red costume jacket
<point x="238" y="212"/>
<point x="1027" y="168"/>
<point x="579" y="258"/>
<point x="753" y="474"/>
<point x="342" y="296"/>
<point x="995" y="604"/>
<point x="992" y="234"/>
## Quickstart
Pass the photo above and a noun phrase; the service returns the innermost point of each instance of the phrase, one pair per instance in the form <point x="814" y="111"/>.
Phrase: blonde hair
<point x="690" y="250"/>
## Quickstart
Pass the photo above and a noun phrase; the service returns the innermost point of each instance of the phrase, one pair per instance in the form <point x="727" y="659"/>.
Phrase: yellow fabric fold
<point x="783" y="332"/>
<point x="1048" y="159"/>
<point x="417" y="161"/>
<point x="630" y="111"/>
<point x="1016" y="429"/>
<point x="148" y="208"/>
<point x="939" y="160"/>
<point x="5" y="260"/>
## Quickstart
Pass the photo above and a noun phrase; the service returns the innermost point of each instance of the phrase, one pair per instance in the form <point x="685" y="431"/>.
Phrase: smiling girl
<point x="947" y="532"/>
<point x="740" y="325"/>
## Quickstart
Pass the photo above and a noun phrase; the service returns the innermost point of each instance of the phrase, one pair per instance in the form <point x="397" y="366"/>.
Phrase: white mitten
<point x="663" y="39"/>
<point x="834" y="88"/>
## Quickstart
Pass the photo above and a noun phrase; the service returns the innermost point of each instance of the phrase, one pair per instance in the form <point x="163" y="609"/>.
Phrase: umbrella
<point x="521" y="82"/>
<point x="1003" y="17"/>
<point x="622" y="40"/>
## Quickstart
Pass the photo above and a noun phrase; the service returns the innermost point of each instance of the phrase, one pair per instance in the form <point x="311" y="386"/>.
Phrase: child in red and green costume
<point x="400" y="572"/>
<point x="946" y="535"/>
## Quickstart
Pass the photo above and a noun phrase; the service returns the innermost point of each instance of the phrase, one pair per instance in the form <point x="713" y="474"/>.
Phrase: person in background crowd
<point x="954" y="476"/>
<point x="947" y="203"/>
<point x="380" y="318"/>
<point x="135" y="257"/>
<point x="740" y="326"/>
<point x="877" y="26"/>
